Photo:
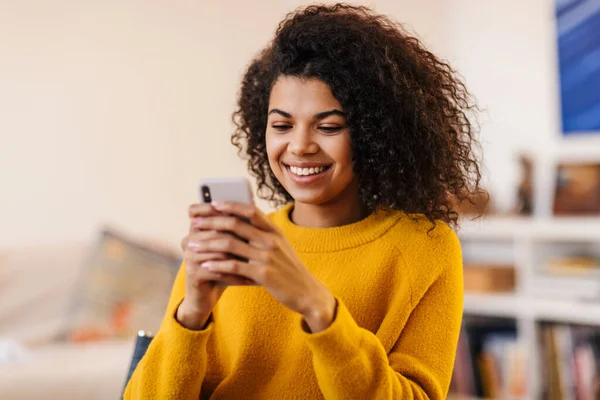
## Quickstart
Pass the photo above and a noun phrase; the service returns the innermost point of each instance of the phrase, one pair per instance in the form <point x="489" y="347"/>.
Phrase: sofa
<point x="36" y="361"/>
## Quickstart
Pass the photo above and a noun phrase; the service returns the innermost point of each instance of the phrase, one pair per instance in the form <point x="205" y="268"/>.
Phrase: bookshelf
<point x="528" y="241"/>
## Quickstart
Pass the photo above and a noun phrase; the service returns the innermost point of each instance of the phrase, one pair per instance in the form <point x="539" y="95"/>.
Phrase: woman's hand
<point x="203" y="288"/>
<point x="271" y="261"/>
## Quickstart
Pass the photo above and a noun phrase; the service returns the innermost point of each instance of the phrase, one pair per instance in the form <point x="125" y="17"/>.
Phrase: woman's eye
<point x="330" y="129"/>
<point x="281" y="127"/>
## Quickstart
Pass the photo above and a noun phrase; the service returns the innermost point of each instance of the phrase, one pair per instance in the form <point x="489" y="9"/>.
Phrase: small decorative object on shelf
<point x="524" y="204"/>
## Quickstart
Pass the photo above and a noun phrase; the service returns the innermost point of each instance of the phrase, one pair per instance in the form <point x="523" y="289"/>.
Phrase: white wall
<point x="111" y="110"/>
<point x="507" y="52"/>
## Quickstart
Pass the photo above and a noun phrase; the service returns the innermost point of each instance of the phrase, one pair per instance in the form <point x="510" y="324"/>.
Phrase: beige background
<point x="110" y="111"/>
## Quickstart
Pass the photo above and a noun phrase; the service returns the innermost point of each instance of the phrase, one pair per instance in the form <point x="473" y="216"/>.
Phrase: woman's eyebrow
<point x="326" y="114"/>
<point x="282" y="113"/>
<point x="320" y="115"/>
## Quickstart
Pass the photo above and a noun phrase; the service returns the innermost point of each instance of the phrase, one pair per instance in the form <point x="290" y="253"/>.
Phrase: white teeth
<point x="306" y="171"/>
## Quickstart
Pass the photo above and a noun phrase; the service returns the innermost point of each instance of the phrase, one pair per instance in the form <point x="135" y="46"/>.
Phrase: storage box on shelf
<point x="486" y="278"/>
<point x="485" y="275"/>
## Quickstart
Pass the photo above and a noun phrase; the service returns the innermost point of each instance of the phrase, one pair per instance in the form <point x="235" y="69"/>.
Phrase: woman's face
<point x="308" y="142"/>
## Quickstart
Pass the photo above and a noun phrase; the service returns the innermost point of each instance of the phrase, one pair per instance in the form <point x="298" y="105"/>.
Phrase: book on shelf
<point x="490" y="361"/>
<point x="571" y="362"/>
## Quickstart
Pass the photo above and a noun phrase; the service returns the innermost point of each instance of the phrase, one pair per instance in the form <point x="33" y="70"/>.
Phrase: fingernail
<point x="194" y="245"/>
<point x="197" y="222"/>
<point x="208" y="265"/>
<point x="219" y="205"/>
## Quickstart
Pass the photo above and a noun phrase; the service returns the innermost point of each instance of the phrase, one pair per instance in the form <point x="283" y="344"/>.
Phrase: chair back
<point x="142" y="342"/>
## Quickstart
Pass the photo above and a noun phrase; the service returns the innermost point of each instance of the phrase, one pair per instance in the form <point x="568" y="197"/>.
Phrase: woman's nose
<point x="301" y="143"/>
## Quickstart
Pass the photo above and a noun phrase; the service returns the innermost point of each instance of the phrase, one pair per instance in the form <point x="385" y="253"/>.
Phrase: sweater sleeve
<point x="351" y="363"/>
<point x="174" y="365"/>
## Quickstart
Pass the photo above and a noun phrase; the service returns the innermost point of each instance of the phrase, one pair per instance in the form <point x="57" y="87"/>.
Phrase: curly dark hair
<point x="414" y="146"/>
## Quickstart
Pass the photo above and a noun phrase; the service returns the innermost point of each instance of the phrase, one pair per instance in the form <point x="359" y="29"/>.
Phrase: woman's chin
<point x="309" y="197"/>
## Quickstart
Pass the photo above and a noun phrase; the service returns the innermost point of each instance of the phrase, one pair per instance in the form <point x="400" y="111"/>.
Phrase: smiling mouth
<point x="311" y="171"/>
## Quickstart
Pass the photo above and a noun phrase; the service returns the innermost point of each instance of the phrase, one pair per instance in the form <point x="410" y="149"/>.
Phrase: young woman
<point x="353" y="289"/>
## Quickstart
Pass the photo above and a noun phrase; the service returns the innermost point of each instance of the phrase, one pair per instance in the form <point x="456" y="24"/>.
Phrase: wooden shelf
<point x="509" y="228"/>
<point x="515" y="306"/>
<point x="570" y="312"/>
<point x="492" y="305"/>
<point x="493" y="228"/>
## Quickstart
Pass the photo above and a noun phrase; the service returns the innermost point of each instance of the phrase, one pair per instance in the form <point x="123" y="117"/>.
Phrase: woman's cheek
<point x="275" y="148"/>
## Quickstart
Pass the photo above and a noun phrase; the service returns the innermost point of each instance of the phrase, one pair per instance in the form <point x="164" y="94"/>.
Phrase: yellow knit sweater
<point x="400" y="298"/>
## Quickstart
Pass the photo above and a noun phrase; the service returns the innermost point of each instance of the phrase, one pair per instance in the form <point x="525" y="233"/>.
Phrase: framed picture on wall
<point x="578" y="30"/>
<point x="577" y="189"/>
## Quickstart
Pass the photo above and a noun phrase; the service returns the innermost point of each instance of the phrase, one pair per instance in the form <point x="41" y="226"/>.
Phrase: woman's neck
<point x="346" y="210"/>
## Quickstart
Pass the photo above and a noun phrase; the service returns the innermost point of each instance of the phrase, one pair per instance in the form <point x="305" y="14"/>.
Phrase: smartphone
<point x="226" y="189"/>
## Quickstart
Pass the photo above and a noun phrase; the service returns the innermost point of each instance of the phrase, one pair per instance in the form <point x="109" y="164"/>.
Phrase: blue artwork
<point x="578" y="26"/>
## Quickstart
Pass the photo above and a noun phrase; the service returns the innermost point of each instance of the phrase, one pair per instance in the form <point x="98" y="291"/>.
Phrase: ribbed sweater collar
<point x="321" y="240"/>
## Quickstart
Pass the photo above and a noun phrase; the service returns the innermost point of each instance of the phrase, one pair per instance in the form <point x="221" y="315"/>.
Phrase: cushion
<point x="124" y="287"/>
